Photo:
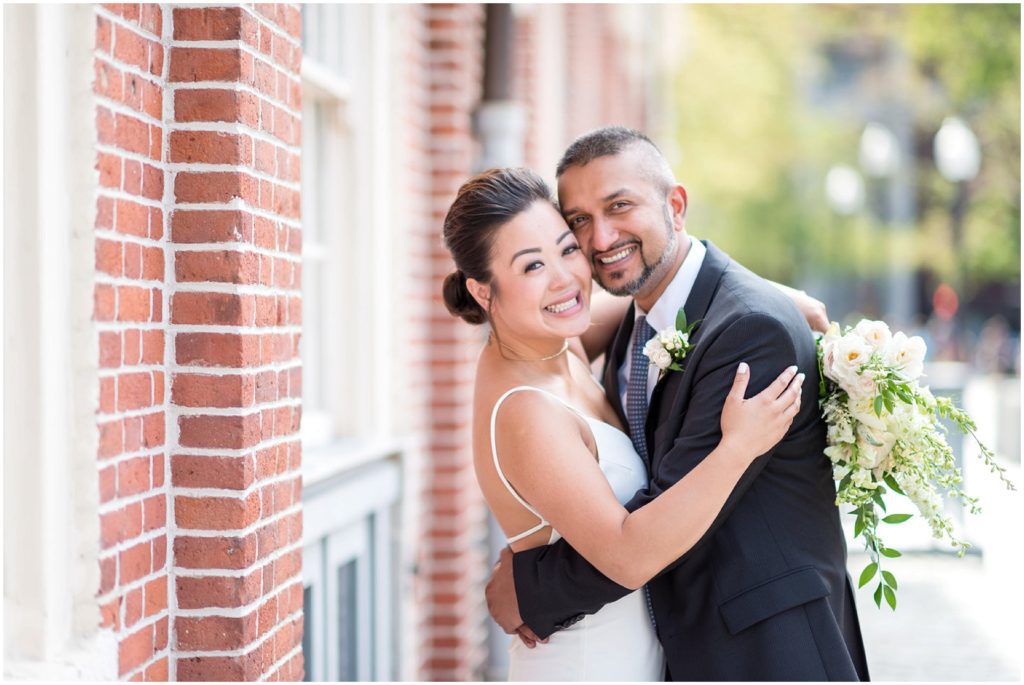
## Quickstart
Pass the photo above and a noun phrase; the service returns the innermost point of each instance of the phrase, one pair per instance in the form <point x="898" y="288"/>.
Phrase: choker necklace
<point x="565" y="346"/>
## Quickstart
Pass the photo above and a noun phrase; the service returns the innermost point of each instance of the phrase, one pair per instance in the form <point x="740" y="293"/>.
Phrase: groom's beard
<point x="631" y="288"/>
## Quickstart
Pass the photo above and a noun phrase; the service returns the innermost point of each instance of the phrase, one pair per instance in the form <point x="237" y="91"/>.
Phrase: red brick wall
<point x="600" y="91"/>
<point x="456" y="516"/>
<point x="199" y="327"/>
<point x="129" y="310"/>
<point x="524" y="83"/>
<point x="442" y="70"/>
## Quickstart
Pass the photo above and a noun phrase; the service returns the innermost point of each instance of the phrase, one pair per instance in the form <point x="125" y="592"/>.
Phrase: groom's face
<point x="622" y="218"/>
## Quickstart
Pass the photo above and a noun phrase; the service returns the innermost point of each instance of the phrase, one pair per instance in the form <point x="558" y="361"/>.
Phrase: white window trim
<point x="51" y="568"/>
<point x="364" y="100"/>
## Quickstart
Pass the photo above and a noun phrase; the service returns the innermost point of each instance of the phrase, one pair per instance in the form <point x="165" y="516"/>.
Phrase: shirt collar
<point x="663" y="313"/>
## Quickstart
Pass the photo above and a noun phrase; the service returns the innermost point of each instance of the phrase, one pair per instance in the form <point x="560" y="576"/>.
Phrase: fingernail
<point x="792" y="369"/>
<point x="801" y="378"/>
<point x="743" y="367"/>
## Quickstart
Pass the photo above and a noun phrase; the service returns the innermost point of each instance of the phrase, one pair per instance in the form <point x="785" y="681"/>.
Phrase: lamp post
<point x="958" y="158"/>
<point x="879" y="151"/>
<point x="844" y="189"/>
<point x="881" y="160"/>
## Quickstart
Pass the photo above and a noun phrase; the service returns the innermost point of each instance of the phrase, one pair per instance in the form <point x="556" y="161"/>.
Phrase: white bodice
<point x="618" y="642"/>
<point x="616" y="457"/>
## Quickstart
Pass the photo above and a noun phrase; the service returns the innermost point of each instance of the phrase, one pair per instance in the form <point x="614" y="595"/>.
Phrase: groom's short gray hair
<point x="611" y="140"/>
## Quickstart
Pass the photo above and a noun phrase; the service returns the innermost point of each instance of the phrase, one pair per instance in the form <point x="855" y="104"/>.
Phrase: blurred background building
<point x="236" y="412"/>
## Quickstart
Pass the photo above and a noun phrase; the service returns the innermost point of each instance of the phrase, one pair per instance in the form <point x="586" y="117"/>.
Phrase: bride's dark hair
<point x="484" y="204"/>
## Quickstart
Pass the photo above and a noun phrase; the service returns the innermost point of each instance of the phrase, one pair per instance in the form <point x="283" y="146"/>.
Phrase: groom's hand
<point x="502" y="602"/>
<point x="814" y="311"/>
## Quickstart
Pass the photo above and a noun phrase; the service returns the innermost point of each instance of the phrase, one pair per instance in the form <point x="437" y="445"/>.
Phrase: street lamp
<point x="845" y="189"/>
<point x="958" y="158"/>
<point x="881" y="159"/>
<point x="879" y="151"/>
<point x="957" y="153"/>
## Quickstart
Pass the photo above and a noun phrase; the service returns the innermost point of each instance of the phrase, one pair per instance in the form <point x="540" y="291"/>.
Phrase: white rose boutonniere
<point x="669" y="346"/>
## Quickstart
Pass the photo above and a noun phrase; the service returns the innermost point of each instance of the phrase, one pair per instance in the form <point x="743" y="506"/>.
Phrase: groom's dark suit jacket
<point x="764" y="595"/>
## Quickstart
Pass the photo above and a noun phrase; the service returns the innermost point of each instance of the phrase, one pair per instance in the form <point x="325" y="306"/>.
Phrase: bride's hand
<point x="753" y="426"/>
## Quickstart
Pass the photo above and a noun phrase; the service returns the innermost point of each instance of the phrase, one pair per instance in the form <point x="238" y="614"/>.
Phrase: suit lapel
<point x="696" y="308"/>
<point x="613" y="361"/>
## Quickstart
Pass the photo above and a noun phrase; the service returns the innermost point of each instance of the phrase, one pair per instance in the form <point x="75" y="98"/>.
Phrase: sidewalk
<point x="954" y="621"/>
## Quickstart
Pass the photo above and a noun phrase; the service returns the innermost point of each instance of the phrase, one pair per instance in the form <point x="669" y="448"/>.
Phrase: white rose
<point x="875" y="333"/>
<point x="873" y="446"/>
<point x="828" y="344"/>
<point x="658" y="355"/>
<point x="906" y="354"/>
<point x="863" y="411"/>
<point x="862" y="385"/>
<point x="662" y="358"/>
<point x="848" y="354"/>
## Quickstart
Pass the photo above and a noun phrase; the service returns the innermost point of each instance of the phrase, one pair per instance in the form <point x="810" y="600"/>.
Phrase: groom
<point x="764" y="595"/>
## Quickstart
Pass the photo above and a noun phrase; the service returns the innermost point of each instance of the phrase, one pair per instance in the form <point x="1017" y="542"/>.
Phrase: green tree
<point x="755" y="145"/>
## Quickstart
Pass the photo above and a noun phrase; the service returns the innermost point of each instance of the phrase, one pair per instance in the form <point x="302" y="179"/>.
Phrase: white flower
<point x="862" y="385"/>
<point x="860" y="478"/>
<point x="840" y="455"/>
<point x="875" y="333"/>
<point x="863" y="411"/>
<point x="849" y="353"/>
<point x="906" y="354"/>
<point x="840" y="431"/>
<point x="873" y="446"/>
<point x="668" y="347"/>
<point x="828" y="344"/>
<point x="671" y="339"/>
<point x="657" y="353"/>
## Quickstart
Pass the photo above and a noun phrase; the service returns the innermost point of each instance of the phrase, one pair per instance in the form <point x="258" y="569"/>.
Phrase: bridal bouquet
<point x="884" y="434"/>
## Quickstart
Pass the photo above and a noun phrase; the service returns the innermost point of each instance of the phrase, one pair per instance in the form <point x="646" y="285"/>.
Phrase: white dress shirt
<point x="663" y="313"/>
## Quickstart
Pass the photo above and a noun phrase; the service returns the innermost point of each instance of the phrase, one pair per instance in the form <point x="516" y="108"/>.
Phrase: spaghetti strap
<point x="497" y="466"/>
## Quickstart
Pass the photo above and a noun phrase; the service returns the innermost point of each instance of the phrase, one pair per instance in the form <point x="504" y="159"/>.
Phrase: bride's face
<point x="542" y="280"/>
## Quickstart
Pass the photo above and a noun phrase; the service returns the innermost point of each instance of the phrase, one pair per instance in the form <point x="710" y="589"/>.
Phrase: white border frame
<point x="51" y="478"/>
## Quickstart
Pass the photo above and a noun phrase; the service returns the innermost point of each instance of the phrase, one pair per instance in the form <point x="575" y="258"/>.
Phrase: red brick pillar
<point x="456" y="521"/>
<point x="235" y="316"/>
<point x="129" y="314"/>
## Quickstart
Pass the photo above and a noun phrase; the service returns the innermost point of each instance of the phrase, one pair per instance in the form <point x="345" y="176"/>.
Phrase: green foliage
<point x="755" y="146"/>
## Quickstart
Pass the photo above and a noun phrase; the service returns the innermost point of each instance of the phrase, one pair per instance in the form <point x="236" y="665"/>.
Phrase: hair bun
<point x="458" y="300"/>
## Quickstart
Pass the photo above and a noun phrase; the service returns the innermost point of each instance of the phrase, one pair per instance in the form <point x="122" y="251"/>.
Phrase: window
<point x="326" y="101"/>
<point x="349" y="576"/>
<point x="351" y="463"/>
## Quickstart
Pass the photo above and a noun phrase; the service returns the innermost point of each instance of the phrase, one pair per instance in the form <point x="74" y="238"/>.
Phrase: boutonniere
<point x="669" y="346"/>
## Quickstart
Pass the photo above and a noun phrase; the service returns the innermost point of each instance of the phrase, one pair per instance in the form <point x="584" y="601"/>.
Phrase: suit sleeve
<point x="555" y="585"/>
<point x="767" y="346"/>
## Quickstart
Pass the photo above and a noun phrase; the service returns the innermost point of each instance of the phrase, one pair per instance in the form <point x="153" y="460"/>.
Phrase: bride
<point x="550" y="453"/>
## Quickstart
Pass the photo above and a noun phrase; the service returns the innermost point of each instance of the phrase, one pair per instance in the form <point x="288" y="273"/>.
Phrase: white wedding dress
<point x="618" y="642"/>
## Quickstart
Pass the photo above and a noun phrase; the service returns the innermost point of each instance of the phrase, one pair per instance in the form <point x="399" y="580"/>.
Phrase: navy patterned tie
<point x="636" y="388"/>
<point x="636" y="408"/>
